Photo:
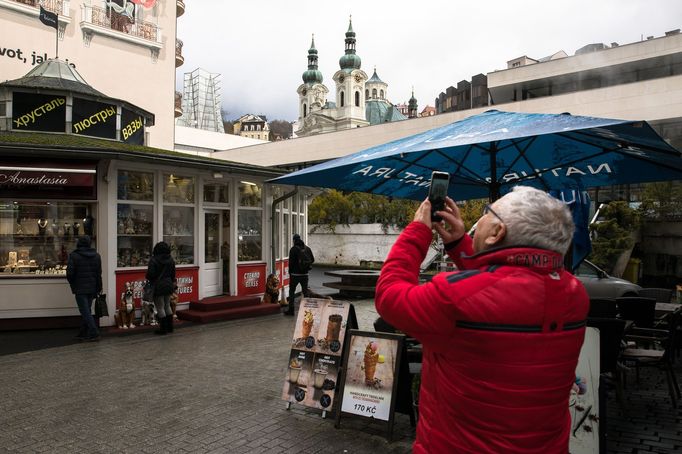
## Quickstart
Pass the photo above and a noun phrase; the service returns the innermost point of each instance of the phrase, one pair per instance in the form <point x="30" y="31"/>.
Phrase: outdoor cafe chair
<point x="661" y="295"/>
<point x="658" y="356"/>
<point x="610" y="345"/>
<point x="642" y="311"/>
<point x="603" y="308"/>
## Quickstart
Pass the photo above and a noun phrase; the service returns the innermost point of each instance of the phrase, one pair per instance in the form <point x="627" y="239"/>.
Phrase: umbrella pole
<point x="494" y="192"/>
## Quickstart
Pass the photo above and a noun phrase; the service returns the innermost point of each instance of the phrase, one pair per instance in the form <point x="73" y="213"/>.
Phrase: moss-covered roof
<point x="77" y="146"/>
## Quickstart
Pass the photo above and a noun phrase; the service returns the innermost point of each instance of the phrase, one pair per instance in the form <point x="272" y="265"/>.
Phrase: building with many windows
<point x="252" y="127"/>
<point x="201" y="101"/>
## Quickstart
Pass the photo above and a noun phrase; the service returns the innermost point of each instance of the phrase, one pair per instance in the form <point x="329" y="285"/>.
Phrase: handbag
<point x="148" y="291"/>
<point x="101" y="308"/>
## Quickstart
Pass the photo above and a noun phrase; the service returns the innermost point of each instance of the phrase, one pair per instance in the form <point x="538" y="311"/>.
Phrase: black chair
<point x="610" y="345"/>
<point x="603" y="308"/>
<point x="660" y="355"/>
<point x="642" y="311"/>
<point x="661" y="295"/>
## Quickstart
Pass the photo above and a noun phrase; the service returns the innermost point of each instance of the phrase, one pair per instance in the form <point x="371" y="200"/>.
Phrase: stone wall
<point x="353" y="244"/>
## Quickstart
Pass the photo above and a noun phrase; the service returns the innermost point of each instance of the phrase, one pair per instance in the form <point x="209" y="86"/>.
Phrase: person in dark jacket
<point x="161" y="273"/>
<point x="300" y="260"/>
<point x="84" y="273"/>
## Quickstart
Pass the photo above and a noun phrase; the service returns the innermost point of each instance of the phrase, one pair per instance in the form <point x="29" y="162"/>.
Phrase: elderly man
<point x="501" y="336"/>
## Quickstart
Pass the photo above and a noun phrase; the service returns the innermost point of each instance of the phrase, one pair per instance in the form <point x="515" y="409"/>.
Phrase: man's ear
<point x="499" y="231"/>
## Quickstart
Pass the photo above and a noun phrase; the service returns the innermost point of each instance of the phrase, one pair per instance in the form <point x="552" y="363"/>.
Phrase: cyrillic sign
<point x="91" y="118"/>
<point x="38" y="112"/>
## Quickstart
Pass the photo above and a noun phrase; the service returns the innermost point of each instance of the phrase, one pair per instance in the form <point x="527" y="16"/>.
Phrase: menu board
<point x="371" y="374"/>
<point x="316" y="349"/>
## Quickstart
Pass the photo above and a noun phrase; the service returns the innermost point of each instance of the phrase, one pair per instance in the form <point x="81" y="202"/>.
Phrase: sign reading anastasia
<point x="132" y="127"/>
<point x="91" y="118"/>
<point x="48" y="180"/>
<point x="38" y="112"/>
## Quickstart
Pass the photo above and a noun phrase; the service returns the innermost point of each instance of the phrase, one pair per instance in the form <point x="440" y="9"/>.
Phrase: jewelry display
<point x="88" y="225"/>
<point x="67" y="230"/>
<point x="18" y="229"/>
<point x="76" y="228"/>
<point x="42" y="226"/>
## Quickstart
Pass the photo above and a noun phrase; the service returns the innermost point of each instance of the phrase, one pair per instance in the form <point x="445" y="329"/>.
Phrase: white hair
<point x="536" y="219"/>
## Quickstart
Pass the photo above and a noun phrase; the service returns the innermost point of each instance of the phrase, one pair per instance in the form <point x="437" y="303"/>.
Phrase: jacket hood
<point x="161" y="248"/>
<point x="84" y="242"/>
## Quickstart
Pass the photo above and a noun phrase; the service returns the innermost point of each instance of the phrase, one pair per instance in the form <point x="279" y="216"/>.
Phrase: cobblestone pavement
<point x="217" y="388"/>
<point x="205" y="388"/>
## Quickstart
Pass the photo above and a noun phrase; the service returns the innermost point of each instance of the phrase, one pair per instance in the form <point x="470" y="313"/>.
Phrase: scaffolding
<point x="201" y="101"/>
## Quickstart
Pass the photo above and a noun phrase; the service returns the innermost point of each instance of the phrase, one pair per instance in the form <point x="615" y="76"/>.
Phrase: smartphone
<point x="437" y="193"/>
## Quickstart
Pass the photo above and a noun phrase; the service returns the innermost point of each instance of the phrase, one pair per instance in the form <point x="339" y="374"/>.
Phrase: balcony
<point x="178" y="104"/>
<point x="179" y="8"/>
<point x="32" y="8"/>
<point x="179" y="59"/>
<point x="107" y="22"/>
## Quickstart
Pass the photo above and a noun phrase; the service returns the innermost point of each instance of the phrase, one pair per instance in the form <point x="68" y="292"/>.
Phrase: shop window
<point x="135" y="186"/>
<point x="250" y="194"/>
<point x="178" y="217"/>
<point x="178" y="189"/>
<point x="217" y="193"/>
<point x="178" y="232"/>
<point x="134" y="221"/>
<point x="36" y="237"/>
<point x="250" y="235"/>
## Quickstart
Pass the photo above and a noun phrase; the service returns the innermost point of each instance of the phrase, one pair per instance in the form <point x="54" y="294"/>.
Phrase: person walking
<point x="301" y="260"/>
<point x="161" y="273"/>
<point x="501" y="337"/>
<point x="84" y="274"/>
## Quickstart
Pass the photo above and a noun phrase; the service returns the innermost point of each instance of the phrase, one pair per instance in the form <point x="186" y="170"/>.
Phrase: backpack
<point x="305" y="259"/>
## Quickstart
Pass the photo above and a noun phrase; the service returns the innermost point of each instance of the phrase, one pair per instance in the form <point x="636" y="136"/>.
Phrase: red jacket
<point x="501" y="340"/>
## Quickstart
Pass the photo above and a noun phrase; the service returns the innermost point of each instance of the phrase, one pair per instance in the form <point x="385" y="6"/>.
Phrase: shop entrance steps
<point x="225" y="307"/>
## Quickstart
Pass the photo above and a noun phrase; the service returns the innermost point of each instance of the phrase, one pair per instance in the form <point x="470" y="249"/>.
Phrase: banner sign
<point x="187" y="279"/>
<point x="49" y="181"/>
<point x="251" y="279"/>
<point x="132" y="127"/>
<point x="91" y="118"/>
<point x="371" y="374"/>
<point x="38" y="112"/>
<point x="282" y="267"/>
<point x="315" y="358"/>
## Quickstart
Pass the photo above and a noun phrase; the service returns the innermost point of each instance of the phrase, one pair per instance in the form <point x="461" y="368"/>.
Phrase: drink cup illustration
<point x="334" y="327"/>
<point x="294" y="370"/>
<point x="308" y="321"/>
<point x="319" y="377"/>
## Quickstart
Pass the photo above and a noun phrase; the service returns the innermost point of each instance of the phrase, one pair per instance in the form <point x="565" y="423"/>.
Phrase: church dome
<point x="350" y="60"/>
<point x="312" y="75"/>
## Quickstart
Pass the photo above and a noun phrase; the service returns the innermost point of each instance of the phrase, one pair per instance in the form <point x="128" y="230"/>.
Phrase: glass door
<point x="212" y="267"/>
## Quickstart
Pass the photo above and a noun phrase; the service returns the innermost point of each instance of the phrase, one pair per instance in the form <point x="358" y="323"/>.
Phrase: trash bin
<point x="631" y="272"/>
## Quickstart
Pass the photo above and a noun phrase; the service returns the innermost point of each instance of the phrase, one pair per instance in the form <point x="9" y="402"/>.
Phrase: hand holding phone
<point x="440" y="181"/>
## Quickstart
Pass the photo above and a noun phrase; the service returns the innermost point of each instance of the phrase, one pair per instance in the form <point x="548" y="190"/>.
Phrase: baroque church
<point x="360" y="101"/>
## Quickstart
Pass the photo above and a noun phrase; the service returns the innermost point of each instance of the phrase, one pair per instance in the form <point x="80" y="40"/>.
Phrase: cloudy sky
<point x="261" y="48"/>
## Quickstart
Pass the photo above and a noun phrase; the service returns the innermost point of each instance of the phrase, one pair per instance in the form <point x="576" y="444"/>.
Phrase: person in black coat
<point x="161" y="273"/>
<point x="300" y="260"/>
<point x="84" y="273"/>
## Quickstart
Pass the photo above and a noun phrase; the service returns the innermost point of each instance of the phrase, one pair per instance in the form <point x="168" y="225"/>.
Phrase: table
<point x="355" y="283"/>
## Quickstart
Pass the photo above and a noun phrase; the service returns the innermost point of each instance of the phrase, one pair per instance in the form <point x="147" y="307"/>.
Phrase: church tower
<point x="350" y="87"/>
<point x="412" y="106"/>
<point x="312" y="94"/>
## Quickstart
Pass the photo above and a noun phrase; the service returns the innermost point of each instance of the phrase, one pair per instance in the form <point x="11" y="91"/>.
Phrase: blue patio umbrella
<point x="487" y="154"/>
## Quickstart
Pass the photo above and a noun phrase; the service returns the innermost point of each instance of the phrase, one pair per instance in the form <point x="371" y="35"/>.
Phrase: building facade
<point x="126" y="49"/>
<point x="252" y="127"/>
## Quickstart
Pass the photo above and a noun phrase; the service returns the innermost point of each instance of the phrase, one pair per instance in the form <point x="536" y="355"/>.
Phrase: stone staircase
<point x="225" y="307"/>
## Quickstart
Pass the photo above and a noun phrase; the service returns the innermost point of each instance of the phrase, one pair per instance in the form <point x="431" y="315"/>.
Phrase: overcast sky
<point x="261" y="48"/>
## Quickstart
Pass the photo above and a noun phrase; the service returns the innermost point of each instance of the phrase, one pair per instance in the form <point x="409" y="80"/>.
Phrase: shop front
<point x="73" y="163"/>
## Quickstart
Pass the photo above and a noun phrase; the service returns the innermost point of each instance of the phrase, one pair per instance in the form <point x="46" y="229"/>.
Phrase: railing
<point x="111" y="19"/>
<point x="55" y="6"/>
<point x="178" y="104"/>
<point x="179" y="59"/>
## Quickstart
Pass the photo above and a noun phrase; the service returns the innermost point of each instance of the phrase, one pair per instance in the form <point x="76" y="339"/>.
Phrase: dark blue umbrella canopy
<point x="487" y="154"/>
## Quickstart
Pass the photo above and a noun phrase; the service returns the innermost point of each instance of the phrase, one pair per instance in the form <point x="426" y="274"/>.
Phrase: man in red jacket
<point x="501" y="336"/>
